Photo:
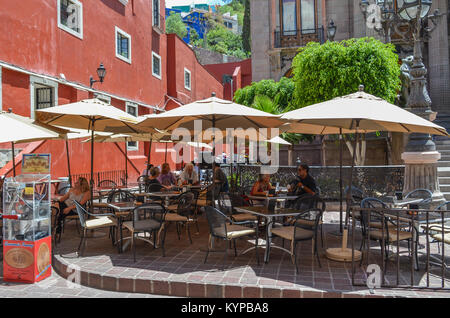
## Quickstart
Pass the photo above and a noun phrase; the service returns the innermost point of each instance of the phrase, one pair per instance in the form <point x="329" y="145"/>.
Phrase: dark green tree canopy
<point x="323" y="72"/>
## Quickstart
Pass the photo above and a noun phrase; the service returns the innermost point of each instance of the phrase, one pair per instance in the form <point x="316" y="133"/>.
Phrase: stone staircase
<point x="443" y="146"/>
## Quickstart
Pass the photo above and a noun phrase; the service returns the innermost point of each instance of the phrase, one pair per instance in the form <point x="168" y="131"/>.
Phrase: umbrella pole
<point x="340" y="179"/>
<point x="213" y="163"/>
<point x="13" y="159"/>
<point x="92" y="166"/>
<point x="149" y="150"/>
<point x="68" y="162"/>
<point x="165" y="154"/>
<point x="126" y="162"/>
<point x="344" y="254"/>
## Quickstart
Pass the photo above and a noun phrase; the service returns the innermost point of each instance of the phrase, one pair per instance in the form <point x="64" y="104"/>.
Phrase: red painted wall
<point x="203" y="83"/>
<point x="46" y="49"/>
<point x="244" y="75"/>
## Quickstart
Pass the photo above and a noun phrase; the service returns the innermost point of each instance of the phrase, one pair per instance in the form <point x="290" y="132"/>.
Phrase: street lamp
<point x="101" y="72"/>
<point x="331" y="30"/>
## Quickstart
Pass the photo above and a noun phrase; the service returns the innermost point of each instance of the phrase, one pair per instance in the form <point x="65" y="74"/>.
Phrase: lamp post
<point x="101" y="72"/>
<point x="420" y="154"/>
<point x="331" y="31"/>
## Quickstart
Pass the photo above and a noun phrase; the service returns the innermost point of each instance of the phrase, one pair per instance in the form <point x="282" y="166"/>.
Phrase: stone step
<point x="446" y="195"/>
<point x="444" y="188"/>
<point x="443" y="171"/>
<point x="442" y="142"/>
<point x="444" y="180"/>
<point x="441" y="163"/>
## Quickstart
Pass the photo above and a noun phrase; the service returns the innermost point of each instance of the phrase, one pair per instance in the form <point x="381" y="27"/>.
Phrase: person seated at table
<point x="80" y="192"/>
<point x="166" y="178"/>
<point x="303" y="183"/>
<point x="154" y="174"/>
<point x="146" y="171"/>
<point x="189" y="176"/>
<point x="262" y="186"/>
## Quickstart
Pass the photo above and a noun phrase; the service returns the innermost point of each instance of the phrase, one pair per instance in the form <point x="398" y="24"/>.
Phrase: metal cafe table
<point x="276" y="198"/>
<point x="269" y="215"/>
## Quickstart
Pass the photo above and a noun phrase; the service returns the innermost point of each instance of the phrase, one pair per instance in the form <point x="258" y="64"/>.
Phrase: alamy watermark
<point x="373" y="19"/>
<point x="251" y="144"/>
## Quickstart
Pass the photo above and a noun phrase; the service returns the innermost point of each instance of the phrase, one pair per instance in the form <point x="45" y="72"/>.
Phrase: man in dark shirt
<point x="303" y="183"/>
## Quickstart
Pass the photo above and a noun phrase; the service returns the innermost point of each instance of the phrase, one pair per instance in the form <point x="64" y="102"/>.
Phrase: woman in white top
<point x="80" y="192"/>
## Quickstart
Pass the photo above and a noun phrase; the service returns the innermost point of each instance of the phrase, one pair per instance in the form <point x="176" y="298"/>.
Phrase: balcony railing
<point x="298" y="38"/>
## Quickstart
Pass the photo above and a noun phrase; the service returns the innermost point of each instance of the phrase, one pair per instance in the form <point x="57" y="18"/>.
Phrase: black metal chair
<point x="307" y="202"/>
<point x="226" y="204"/>
<point x="147" y="218"/>
<point x="299" y="231"/>
<point x="97" y="221"/>
<point x="107" y="184"/>
<point x="379" y="227"/>
<point x="182" y="213"/>
<point x="424" y="194"/>
<point x="223" y="228"/>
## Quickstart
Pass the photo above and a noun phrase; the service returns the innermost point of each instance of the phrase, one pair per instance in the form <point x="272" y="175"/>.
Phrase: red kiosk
<point x="26" y="222"/>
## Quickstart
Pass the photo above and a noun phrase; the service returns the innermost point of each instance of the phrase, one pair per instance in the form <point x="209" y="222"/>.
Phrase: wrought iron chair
<point x="97" y="221"/>
<point x="107" y="184"/>
<point x="301" y="231"/>
<point x="182" y="213"/>
<point x="382" y="228"/>
<point x="148" y="218"/>
<point x="424" y="194"/>
<point x="226" y="204"/>
<point x="223" y="228"/>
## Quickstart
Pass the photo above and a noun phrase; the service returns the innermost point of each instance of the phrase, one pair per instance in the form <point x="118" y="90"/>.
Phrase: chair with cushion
<point x="182" y="213"/>
<point x="147" y="218"/>
<point x="378" y="227"/>
<point x="308" y="202"/>
<point x="224" y="228"/>
<point x="226" y="204"/>
<point x="90" y="221"/>
<point x="424" y="194"/>
<point x="299" y="231"/>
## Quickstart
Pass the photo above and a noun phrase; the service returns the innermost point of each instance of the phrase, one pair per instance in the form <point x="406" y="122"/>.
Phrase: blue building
<point x="193" y="21"/>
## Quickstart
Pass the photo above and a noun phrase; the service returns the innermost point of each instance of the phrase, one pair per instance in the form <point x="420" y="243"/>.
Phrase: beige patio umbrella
<point x="18" y="129"/>
<point x="278" y="140"/>
<point x="91" y="114"/>
<point x="359" y="113"/>
<point x="109" y="137"/>
<point x="214" y="113"/>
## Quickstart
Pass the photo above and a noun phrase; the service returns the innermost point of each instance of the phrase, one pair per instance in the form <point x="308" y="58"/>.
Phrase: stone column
<point x="420" y="154"/>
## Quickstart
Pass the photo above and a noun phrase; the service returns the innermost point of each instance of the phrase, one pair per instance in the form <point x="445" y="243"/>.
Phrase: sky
<point x="170" y="3"/>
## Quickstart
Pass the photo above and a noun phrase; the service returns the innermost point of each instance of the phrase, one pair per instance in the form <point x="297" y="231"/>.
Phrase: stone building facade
<point x="280" y="27"/>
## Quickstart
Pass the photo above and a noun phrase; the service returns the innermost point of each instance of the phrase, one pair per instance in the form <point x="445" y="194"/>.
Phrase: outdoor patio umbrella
<point x="214" y="113"/>
<point x="91" y="114"/>
<point x="18" y="129"/>
<point x="359" y="113"/>
<point x="126" y="138"/>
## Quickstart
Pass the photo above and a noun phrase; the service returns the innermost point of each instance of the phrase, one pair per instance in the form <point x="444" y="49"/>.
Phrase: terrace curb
<point x="190" y="289"/>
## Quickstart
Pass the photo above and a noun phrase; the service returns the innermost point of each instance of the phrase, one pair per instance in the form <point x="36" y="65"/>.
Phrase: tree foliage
<point x="280" y="92"/>
<point x="222" y="40"/>
<point x="175" y="24"/>
<point x="323" y="72"/>
<point x="246" y="38"/>
<point x="271" y="97"/>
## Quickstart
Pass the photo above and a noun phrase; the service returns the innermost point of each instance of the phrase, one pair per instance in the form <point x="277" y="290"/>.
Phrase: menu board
<point x="36" y="164"/>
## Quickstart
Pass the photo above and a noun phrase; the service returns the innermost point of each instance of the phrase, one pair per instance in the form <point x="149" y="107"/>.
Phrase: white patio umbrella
<point x="214" y="113"/>
<point x="18" y="129"/>
<point x="91" y="114"/>
<point x="278" y="140"/>
<point x="359" y="112"/>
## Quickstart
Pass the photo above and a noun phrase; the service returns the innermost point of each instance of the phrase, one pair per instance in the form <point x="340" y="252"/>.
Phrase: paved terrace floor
<point x="182" y="271"/>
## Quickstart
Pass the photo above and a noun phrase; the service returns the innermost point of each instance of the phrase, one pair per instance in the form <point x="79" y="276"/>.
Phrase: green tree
<point x="271" y="97"/>
<point x="224" y="41"/>
<point x="323" y="72"/>
<point x="246" y="39"/>
<point x="175" y="24"/>
<point x="195" y="39"/>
